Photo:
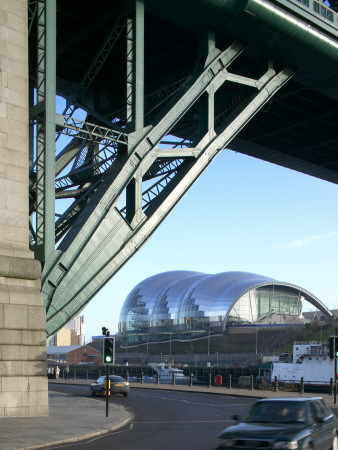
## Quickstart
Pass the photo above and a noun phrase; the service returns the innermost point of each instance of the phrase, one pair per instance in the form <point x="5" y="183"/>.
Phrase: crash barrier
<point x="205" y="377"/>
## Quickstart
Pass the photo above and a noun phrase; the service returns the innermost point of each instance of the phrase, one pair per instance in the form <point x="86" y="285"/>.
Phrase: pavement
<point x="72" y="418"/>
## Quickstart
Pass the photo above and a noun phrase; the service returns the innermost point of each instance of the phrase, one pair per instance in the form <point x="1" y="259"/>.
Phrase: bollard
<point x="191" y="375"/>
<point x="173" y="378"/>
<point x="157" y="378"/>
<point x="331" y="386"/>
<point x="276" y="385"/>
<point x="301" y="387"/>
<point x="209" y="379"/>
<point x="142" y="378"/>
<point x="230" y="381"/>
<point x="251" y="383"/>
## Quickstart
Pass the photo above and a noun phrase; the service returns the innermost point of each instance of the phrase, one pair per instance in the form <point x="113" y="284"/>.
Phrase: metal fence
<point x="237" y="378"/>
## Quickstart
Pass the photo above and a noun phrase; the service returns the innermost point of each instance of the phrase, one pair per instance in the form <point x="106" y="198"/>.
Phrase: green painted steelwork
<point x="141" y="74"/>
<point x="45" y="130"/>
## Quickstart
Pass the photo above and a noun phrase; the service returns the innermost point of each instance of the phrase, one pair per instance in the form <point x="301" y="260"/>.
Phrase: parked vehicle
<point x="283" y="423"/>
<point x="118" y="385"/>
<point x="309" y="362"/>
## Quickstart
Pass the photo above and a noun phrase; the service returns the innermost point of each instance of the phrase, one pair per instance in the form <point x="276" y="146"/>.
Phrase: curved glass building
<point x="185" y="304"/>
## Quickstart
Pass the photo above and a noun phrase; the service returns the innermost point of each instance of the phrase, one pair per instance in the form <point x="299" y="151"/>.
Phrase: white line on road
<point x="184" y="421"/>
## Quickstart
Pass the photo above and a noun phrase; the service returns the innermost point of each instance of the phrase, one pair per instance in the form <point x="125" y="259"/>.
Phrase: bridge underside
<point x="153" y="92"/>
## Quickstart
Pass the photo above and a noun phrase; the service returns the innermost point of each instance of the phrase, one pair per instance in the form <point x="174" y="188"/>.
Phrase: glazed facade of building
<point x="186" y="305"/>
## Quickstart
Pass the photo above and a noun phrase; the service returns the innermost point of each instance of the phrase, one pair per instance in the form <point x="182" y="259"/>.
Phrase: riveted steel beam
<point x="76" y="254"/>
<point x="101" y="57"/>
<point x="32" y="12"/>
<point x="45" y="147"/>
<point x="213" y="73"/>
<point x="135" y="103"/>
<point x="116" y="241"/>
<point x="81" y="129"/>
<point x="104" y="163"/>
<point x="161" y="100"/>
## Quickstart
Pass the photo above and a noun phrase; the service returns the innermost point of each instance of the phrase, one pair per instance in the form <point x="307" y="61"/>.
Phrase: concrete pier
<point x="23" y="381"/>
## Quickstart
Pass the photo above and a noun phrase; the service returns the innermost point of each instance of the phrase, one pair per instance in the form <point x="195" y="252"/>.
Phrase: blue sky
<point x="242" y="214"/>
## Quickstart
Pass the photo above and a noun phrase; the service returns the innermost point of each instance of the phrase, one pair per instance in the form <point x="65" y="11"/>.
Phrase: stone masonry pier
<point x="23" y="381"/>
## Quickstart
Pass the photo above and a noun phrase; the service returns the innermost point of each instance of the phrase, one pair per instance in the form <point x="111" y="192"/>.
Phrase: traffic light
<point x="331" y="347"/>
<point x="108" y="351"/>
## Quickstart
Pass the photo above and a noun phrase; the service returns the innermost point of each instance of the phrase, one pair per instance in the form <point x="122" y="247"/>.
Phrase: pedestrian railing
<point x="210" y="379"/>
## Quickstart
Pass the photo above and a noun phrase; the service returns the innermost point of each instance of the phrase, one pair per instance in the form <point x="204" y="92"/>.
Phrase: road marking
<point x="188" y="402"/>
<point x="184" y="421"/>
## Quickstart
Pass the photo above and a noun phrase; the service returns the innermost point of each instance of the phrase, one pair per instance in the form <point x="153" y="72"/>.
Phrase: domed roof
<point x="178" y="295"/>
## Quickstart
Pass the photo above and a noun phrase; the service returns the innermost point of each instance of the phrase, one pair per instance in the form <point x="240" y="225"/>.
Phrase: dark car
<point x="283" y="423"/>
<point x="118" y="385"/>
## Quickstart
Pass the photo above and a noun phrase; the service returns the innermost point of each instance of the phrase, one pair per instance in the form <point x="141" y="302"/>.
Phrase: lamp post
<point x="208" y="342"/>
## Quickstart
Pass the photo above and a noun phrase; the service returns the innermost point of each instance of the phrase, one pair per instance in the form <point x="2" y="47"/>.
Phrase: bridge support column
<point x="23" y="381"/>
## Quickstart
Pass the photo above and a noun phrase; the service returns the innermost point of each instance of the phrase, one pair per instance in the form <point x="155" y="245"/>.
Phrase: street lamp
<point x="321" y="331"/>
<point x="208" y="343"/>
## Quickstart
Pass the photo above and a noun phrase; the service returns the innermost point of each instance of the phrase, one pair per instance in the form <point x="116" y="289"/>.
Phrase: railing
<point x="319" y="9"/>
<point x="208" y="377"/>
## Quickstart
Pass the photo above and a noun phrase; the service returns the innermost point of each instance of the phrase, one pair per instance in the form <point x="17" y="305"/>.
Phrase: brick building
<point x="74" y="354"/>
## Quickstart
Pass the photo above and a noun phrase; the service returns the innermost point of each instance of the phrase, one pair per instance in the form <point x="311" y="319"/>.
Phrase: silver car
<point x="118" y="385"/>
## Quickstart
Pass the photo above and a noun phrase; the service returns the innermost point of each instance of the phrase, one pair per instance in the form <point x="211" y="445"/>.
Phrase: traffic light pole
<point x="108" y="358"/>
<point x="335" y="367"/>
<point x="335" y="382"/>
<point x="333" y="354"/>
<point x="107" y="391"/>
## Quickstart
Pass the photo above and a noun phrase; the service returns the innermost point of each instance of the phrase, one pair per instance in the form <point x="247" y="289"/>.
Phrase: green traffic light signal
<point x="336" y="346"/>
<point x="108" y="351"/>
<point x="333" y="347"/>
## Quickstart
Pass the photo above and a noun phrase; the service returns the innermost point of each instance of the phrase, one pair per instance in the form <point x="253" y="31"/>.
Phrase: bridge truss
<point x="108" y="169"/>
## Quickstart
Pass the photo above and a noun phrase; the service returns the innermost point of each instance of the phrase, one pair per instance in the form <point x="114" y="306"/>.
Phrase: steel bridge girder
<point x="115" y="241"/>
